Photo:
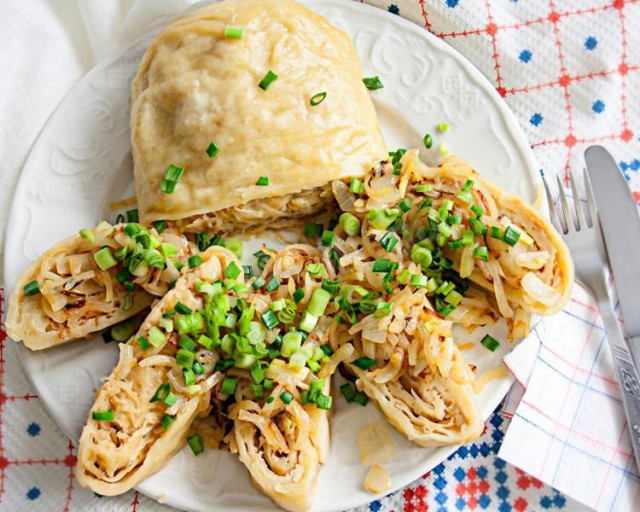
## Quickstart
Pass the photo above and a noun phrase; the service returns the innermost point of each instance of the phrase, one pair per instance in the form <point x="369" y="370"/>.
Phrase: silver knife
<point x="621" y="229"/>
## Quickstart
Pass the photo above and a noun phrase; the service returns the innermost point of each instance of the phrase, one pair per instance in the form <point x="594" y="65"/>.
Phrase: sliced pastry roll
<point x="93" y="280"/>
<point x="162" y="382"/>
<point x="493" y="238"/>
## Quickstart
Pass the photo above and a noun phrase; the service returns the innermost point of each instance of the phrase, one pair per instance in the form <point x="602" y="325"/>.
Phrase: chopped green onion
<point x="465" y="196"/>
<point x="318" y="303"/>
<point x="163" y="391"/>
<point x="195" y="261"/>
<point x="88" y="235"/>
<point x="443" y="127"/>
<point x="278" y="305"/>
<point x="123" y="331"/>
<point x="453" y="298"/>
<point x="350" y="224"/>
<point x="105" y="259"/>
<point x="328" y="238"/>
<point x="286" y="397"/>
<point x="171" y="177"/>
<point x="428" y="141"/>
<point x="481" y="253"/>
<point x="331" y="286"/>
<point x="233" y="32"/>
<point x="497" y="233"/>
<point x="405" y="205"/>
<point x="258" y="282"/>
<point x="403" y="277"/>
<point x="383" y="309"/>
<point x="490" y="343"/>
<point x="160" y="225"/>
<point x="421" y="256"/>
<point x="225" y="364"/>
<point x="232" y="271"/>
<point x="356" y="186"/>
<point x="133" y="215"/>
<point x="166" y="421"/>
<point x="444" y="229"/>
<point x="373" y="83"/>
<point x="263" y="181"/>
<point x="382" y="265"/>
<point x="187" y="343"/>
<point x="107" y="415"/>
<point x="153" y="258"/>
<point x="196" y="444"/>
<point x="192" y="323"/>
<point x="478" y="210"/>
<point x="478" y="227"/>
<point x="273" y="285"/>
<point x="144" y="344"/>
<point x="424" y="187"/>
<point x="388" y="241"/>
<point x="268" y="79"/>
<point x="248" y="271"/>
<point x="511" y="236"/>
<point x="311" y="229"/>
<point x="382" y="218"/>
<point x="324" y="402"/>
<point x="364" y="363"/>
<point x="291" y="343"/>
<point x="235" y="246"/>
<point x="467" y="237"/>
<point x="185" y="358"/>
<point x="168" y="249"/>
<point x="468" y="185"/>
<point x="316" y="99"/>
<point x="443" y="149"/>
<point x="453" y="220"/>
<point x="31" y="288"/>
<point x="418" y="280"/>
<point x="308" y="321"/>
<point x="189" y="377"/>
<point x="229" y="385"/>
<point x="156" y="337"/>
<point x="269" y="319"/>
<point x="182" y="309"/>
<point x="298" y="295"/>
<point x="198" y="369"/>
<point x="360" y="398"/>
<point x="348" y="392"/>
<point x="257" y="373"/>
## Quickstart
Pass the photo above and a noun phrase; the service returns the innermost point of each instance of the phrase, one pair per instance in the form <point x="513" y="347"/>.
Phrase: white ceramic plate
<point x="81" y="162"/>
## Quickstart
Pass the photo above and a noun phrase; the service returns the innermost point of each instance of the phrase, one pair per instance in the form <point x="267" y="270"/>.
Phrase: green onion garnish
<point x="328" y="238"/>
<point x="187" y="343"/>
<point x="308" y="321"/>
<point x="356" y="186"/>
<point x="348" y="392"/>
<point x="196" y="444"/>
<point x="298" y="295"/>
<point x="316" y="99"/>
<point x="453" y="298"/>
<point x="350" y="224"/>
<point x="235" y="246"/>
<point x="389" y="241"/>
<point x="273" y="285"/>
<point x="453" y="220"/>
<point x="286" y="397"/>
<point x="424" y="187"/>
<point x="382" y="218"/>
<point x="166" y="421"/>
<point x="233" y="32"/>
<point x="443" y="127"/>
<point x="258" y="282"/>
<point x="232" y="271"/>
<point x="156" y="337"/>
<point x="468" y="185"/>
<point x="31" y="288"/>
<point x="195" y="261"/>
<point x="107" y="415"/>
<point x="421" y="256"/>
<point x="477" y="210"/>
<point x="405" y="205"/>
<point x="189" y="377"/>
<point x="268" y="79"/>
<point x="428" y="141"/>
<point x="212" y="149"/>
<point x="478" y="227"/>
<point x="324" y="402"/>
<point x="490" y="343"/>
<point x="225" y="364"/>
<point x="198" y="369"/>
<point x="270" y="399"/>
<point x="443" y="149"/>
<point x="133" y="215"/>
<point x="331" y="286"/>
<point x="123" y="331"/>
<point x="497" y="233"/>
<point x="291" y="343"/>
<point x="373" y="83"/>
<point x="418" y="280"/>
<point x="263" y="181"/>
<point x="481" y="253"/>
<point x="144" y="344"/>
<point x="467" y="237"/>
<point x="105" y="259"/>
<point x="511" y="236"/>
<point x="364" y="363"/>
<point x="88" y="235"/>
<point x="318" y="303"/>
<point x="181" y="309"/>
<point x="384" y="265"/>
<point x="229" y="385"/>
<point x="312" y="230"/>
<point x="465" y="196"/>
<point x="171" y="177"/>
<point x="160" y="225"/>
<point x="269" y="319"/>
<point x="163" y="391"/>
<point x="185" y="358"/>
<point x="360" y="398"/>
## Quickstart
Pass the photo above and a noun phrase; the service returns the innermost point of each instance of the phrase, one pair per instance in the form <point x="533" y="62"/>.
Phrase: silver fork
<point x="583" y="236"/>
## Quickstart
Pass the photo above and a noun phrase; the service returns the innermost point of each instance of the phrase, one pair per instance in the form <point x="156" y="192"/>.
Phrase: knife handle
<point x="626" y="372"/>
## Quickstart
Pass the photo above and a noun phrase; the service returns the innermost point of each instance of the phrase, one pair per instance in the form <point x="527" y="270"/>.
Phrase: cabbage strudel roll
<point x="94" y="280"/>
<point x="243" y="112"/>
<point x="162" y="382"/>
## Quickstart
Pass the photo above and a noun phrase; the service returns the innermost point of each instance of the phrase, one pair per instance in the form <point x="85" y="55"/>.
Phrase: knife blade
<point x="621" y="229"/>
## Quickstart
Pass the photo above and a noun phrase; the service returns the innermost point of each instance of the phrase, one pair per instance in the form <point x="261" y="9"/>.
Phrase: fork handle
<point x="626" y="371"/>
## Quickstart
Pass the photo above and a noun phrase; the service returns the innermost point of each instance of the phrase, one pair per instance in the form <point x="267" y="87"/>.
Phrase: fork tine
<point x="552" y="207"/>
<point x="591" y="201"/>
<point x="580" y="219"/>
<point x="566" y="212"/>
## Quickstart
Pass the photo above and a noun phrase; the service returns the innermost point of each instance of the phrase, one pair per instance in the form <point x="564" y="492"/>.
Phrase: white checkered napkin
<point x="569" y="429"/>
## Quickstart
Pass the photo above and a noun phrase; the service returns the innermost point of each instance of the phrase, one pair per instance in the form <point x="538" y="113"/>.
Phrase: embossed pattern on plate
<point x="81" y="162"/>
